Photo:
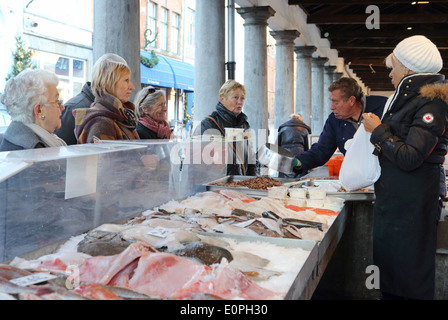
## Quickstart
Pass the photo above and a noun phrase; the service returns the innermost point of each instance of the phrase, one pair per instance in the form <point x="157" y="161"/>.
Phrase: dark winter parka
<point x="293" y="136"/>
<point x="411" y="144"/>
<point x="83" y="100"/>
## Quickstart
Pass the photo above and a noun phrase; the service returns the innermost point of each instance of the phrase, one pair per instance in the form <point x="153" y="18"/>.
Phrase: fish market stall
<point x="54" y="201"/>
<point x="99" y="217"/>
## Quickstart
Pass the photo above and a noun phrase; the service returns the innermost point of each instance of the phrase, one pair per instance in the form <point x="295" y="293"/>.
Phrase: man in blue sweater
<point x="348" y="104"/>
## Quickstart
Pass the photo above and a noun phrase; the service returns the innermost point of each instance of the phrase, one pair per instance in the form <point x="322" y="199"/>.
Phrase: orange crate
<point x="334" y="165"/>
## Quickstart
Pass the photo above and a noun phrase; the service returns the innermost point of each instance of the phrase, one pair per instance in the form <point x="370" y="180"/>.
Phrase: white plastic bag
<point x="360" y="168"/>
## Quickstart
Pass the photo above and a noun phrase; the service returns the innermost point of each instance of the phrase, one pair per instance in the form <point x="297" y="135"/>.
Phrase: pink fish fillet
<point x="161" y="274"/>
<point x="102" y="269"/>
<point x="226" y="282"/>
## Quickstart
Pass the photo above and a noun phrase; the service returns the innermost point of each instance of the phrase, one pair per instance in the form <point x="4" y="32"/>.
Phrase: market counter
<point x="40" y="206"/>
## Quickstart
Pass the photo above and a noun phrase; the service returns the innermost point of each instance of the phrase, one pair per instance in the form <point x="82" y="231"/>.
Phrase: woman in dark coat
<point x="229" y="114"/>
<point x="411" y="142"/>
<point x="293" y="135"/>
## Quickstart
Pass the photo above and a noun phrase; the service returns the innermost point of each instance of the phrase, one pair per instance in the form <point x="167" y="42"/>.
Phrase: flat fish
<point x="247" y="258"/>
<point x="95" y="291"/>
<point x="9" y="272"/>
<point x="36" y="291"/>
<point x="233" y="194"/>
<point x="230" y="229"/>
<point x="207" y="223"/>
<point x="206" y="253"/>
<point x="103" y="243"/>
<point x="129" y="294"/>
<point x="11" y="288"/>
<point x="253" y="266"/>
<point x="214" y="241"/>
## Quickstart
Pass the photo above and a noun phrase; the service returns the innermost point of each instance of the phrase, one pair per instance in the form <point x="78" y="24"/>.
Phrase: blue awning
<point x="168" y="73"/>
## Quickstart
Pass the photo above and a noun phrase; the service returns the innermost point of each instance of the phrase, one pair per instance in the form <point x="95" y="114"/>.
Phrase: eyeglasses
<point x="59" y="102"/>
<point x="161" y="105"/>
<point x="152" y="90"/>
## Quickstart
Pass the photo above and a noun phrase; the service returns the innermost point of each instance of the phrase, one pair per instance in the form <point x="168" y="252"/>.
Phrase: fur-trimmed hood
<point x="437" y="90"/>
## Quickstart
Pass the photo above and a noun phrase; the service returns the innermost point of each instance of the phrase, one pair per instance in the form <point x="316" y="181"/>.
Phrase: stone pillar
<point x="303" y="82"/>
<point x="117" y="30"/>
<point x="209" y="64"/>
<point x="317" y="100"/>
<point x="328" y="80"/>
<point x="337" y="76"/>
<point x="284" y="75"/>
<point x="255" y="68"/>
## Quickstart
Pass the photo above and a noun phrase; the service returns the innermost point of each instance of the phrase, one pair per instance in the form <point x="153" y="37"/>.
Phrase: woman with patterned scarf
<point x="111" y="116"/>
<point x="151" y="111"/>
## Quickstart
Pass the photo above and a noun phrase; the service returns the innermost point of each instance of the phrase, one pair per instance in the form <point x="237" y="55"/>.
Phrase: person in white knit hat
<point x="411" y="143"/>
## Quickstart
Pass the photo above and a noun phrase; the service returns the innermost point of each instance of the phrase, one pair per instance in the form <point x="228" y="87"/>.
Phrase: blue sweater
<point x="334" y="135"/>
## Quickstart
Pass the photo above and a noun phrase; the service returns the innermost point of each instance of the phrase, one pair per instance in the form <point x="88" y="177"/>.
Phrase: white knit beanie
<point x="419" y="54"/>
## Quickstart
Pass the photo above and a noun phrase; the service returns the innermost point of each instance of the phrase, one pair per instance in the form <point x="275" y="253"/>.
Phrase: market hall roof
<point x="343" y="23"/>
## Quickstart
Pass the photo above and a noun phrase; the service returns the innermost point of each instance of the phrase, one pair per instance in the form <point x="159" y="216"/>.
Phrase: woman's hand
<point x="370" y="121"/>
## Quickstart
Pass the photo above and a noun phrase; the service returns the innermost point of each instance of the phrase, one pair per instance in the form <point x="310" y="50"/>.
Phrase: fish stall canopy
<point x="98" y="205"/>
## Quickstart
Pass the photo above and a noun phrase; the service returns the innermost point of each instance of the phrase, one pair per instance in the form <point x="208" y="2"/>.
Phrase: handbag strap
<point x="231" y="144"/>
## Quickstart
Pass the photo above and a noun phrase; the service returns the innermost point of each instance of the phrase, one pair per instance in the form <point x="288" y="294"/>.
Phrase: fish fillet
<point x="102" y="269"/>
<point x="161" y="274"/>
<point x="226" y="282"/>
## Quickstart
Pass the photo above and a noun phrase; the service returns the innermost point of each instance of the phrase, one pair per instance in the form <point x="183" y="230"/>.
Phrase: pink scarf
<point x="161" y="128"/>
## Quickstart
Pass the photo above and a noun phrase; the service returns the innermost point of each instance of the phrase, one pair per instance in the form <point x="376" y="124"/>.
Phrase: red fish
<point x="327" y="212"/>
<point x="96" y="292"/>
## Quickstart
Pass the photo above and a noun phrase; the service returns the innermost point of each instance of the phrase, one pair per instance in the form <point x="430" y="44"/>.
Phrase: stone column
<point x="317" y="100"/>
<point x="209" y="64"/>
<point x="117" y="30"/>
<point x="284" y="75"/>
<point x="255" y="68"/>
<point x="328" y="80"/>
<point x="337" y="76"/>
<point x="303" y="82"/>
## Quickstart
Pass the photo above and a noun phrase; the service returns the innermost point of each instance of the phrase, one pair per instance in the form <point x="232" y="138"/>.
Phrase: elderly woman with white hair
<point x="32" y="100"/>
<point x="411" y="143"/>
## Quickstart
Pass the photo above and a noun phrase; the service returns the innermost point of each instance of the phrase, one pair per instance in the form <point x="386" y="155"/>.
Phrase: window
<point x="70" y="71"/>
<point x="152" y="24"/>
<point x="164" y="29"/>
<point x="190" y="25"/>
<point x="175" y="33"/>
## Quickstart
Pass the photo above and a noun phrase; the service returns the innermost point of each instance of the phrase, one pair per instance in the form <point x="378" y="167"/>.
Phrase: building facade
<point x="60" y="34"/>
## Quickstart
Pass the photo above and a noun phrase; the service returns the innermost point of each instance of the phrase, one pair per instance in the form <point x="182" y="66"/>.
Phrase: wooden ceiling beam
<point x="353" y="2"/>
<point x="384" y="19"/>
<point x="336" y="33"/>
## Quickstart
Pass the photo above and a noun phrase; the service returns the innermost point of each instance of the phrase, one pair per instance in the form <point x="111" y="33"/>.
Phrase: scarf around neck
<point x="124" y="111"/>
<point x="161" y="128"/>
<point x="49" y="139"/>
